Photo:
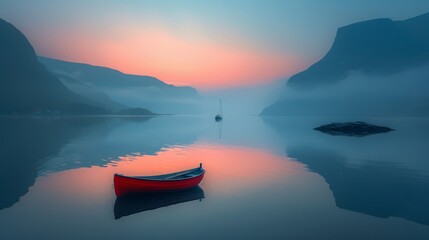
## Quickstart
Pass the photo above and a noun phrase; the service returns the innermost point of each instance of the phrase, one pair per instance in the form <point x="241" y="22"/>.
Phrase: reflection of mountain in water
<point x="135" y="203"/>
<point x="28" y="142"/>
<point x="34" y="146"/>
<point x="381" y="190"/>
<point x="122" y="136"/>
<point x="380" y="175"/>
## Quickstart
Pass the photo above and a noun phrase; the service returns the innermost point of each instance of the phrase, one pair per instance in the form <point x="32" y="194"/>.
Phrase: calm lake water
<point x="267" y="178"/>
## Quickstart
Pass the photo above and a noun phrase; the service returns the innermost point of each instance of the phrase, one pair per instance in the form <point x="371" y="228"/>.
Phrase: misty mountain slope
<point x="379" y="46"/>
<point x="131" y="90"/>
<point x="26" y="86"/>
<point x="90" y="92"/>
<point x="374" y="68"/>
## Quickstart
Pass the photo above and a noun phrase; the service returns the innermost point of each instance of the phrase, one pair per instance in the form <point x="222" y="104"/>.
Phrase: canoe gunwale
<point x="157" y="178"/>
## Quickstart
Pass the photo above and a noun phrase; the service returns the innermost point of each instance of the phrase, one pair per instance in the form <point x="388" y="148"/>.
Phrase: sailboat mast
<point x="220" y="102"/>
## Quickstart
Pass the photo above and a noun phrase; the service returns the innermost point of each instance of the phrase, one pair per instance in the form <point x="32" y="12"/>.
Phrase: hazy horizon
<point x="207" y="45"/>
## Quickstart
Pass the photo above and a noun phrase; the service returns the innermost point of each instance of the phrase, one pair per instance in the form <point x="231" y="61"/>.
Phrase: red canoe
<point x="160" y="183"/>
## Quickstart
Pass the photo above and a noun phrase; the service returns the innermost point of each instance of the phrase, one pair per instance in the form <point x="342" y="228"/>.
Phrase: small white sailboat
<point x="219" y="117"/>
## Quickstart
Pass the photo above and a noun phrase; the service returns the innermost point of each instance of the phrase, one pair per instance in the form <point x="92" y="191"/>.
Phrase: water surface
<point x="267" y="178"/>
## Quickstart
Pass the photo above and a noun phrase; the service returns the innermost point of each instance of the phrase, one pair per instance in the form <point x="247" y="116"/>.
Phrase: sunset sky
<point x="205" y="44"/>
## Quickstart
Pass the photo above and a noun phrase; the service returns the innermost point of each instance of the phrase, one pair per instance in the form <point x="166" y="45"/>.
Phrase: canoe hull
<point x="127" y="185"/>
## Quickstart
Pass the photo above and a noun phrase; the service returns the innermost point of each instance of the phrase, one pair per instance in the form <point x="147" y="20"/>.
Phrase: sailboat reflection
<point x="135" y="203"/>
<point x="219" y="117"/>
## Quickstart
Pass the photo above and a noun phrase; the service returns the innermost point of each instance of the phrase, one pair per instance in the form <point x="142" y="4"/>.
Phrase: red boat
<point x="160" y="183"/>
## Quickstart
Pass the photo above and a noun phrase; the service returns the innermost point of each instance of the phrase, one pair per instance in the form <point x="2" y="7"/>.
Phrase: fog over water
<point x="242" y="101"/>
<point x="401" y="94"/>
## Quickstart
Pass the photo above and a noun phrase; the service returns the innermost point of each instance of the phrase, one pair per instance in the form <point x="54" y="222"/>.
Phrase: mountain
<point x="132" y="90"/>
<point x="379" y="46"/>
<point x="90" y="92"/>
<point x="376" y="67"/>
<point x="26" y="87"/>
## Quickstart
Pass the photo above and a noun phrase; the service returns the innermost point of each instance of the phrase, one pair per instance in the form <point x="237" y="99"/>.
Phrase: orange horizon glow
<point x="179" y="60"/>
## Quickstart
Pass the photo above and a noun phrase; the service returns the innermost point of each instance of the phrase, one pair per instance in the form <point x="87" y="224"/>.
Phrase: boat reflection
<point x="136" y="203"/>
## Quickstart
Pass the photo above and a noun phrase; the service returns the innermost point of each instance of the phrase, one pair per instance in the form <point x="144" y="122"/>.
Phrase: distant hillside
<point x="26" y="87"/>
<point x="132" y="90"/>
<point x="90" y="92"/>
<point x="379" y="46"/>
<point x="375" y="68"/>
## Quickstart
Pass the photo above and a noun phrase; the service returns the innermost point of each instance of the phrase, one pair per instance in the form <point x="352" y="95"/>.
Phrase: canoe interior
<point x="171" y="176"/>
